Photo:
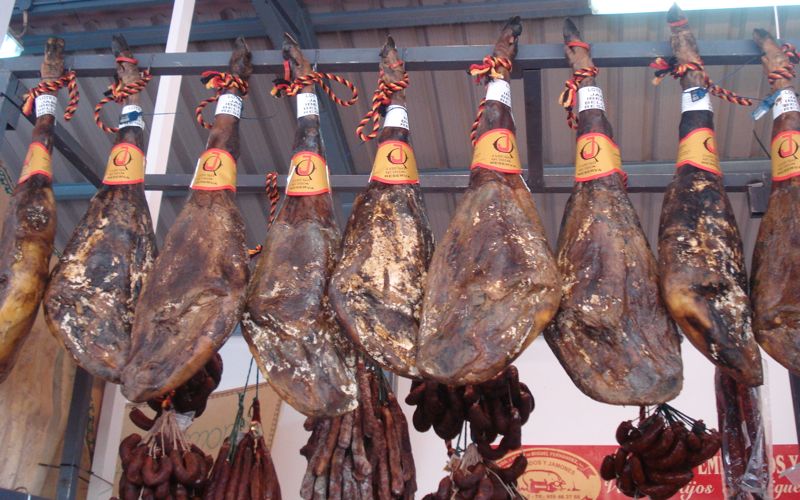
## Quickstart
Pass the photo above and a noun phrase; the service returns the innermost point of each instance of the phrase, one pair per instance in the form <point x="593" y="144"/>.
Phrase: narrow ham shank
<point x="703" y="278"/>
<point x="93" y="291"/>
<point x="492" y="285"/>
<point x="775" y="288"/>
<point x="29" y="229"/>
<point x="612" y="334"/>
<point x="289" y="323"/>
<point x="376" y="289"/>
<point x="194" y="295"/>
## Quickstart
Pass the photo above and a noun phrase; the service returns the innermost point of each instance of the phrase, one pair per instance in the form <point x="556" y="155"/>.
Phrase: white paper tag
<point x="184" y="420"/>
<point x="785" y="101"/>
<point x="690" y="100"/>
<point x="131" y="116"/>
<point x="46" y="104"/>
<point x="499" y="90"/>
<point x="396" y="116"/>
<point x="591" y="98"/>
<point x="229" y="104"/>
<point x="307" y="104"/>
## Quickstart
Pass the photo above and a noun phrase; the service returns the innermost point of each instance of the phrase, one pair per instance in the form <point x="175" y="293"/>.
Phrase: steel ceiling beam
<point x="541" y="56"/>
<point x="325" y="22"/>
<point x="642" y="177"/>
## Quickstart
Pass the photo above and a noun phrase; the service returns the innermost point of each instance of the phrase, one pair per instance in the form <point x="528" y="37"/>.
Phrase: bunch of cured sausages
<point x="363" y="454"/>
<point x="246" y="472"/>
<point x="656" y="457"/>
<point x="498" y="407"/>
<point x="162" y="465"/>
<point x="476" y="478"/>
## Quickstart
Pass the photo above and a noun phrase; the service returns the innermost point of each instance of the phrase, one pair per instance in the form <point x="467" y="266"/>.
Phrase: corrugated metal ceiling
<point x="441" y="105"/>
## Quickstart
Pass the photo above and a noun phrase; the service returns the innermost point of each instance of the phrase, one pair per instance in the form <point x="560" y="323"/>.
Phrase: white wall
<point x="563" y="415"/>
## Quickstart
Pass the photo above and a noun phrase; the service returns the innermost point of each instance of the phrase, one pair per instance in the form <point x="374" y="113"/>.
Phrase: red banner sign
<point x="571" y="473"/>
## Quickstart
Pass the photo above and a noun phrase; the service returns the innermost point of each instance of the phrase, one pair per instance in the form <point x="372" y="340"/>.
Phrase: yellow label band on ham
<point x="497" y="150"/>
<point x="37" y="161"/>
<point x="699" y="149"/>
<point x="596" y="156"/>
<point x="785" y="154"/>
<point x="215" y="171"/>
<point x="395" y="164"/>
<point x="125" y="165"/>
<point x="308" y="175"/>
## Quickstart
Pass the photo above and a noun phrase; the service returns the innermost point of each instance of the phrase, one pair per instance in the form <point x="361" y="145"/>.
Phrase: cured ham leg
<point x="703" y="279"/>
<point x="289" y="323"/>
<point x="612" y="333"/>
<point x="90" y="300"/>
<point x="194" y="295"/>
<point x="29" y="228"/>
<point x="776" y="261"/>
<point x="376" y="289"/>
<point x="492" y="285"/>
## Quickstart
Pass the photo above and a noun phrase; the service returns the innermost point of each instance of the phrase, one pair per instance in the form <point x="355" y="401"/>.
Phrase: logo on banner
<point x="556" y="474"/>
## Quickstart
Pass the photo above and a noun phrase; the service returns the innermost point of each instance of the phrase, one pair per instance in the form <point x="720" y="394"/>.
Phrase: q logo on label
<point x="122" y="158"/>
<point x="212" y="163"/>
<point x="788" y="147"/>
<point x="590" y="150"/>
<point x="710" y="145"/>
<point x="397" y="157"/>
<point x="305" y="167"/>
<point x="504" y="144"/>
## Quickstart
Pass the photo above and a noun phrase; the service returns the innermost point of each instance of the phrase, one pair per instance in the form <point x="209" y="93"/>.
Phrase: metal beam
<point x="543" y="56"/>
<point x="58" y="7"/>
<point x="279" y="16"/>
<point x="457" y="13"/>
<point x="534" y="124"/>
<point x="325" y="22"/>
<point x="642" y="177"/>
<point x="74" y="434"/>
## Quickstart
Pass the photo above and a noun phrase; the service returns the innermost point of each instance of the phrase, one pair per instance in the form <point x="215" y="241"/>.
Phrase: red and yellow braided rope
<point x="221" y="82"/>
<point x="485" y="71"/>
<point x="569" y="96"/>
<point x="68" y="80"/>
<point x="670" y="66"/>
<point x="118" y="92"/>
<point x="282" y="86"/>
<point x="381" y="98"/>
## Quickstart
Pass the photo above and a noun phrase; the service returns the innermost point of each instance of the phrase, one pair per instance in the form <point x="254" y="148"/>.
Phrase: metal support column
<point x="74" y="436"/>
<point x="534" y="123"/>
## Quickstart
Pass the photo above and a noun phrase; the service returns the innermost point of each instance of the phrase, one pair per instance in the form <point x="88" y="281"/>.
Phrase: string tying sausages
<point x="69" y="80"/>
<point x="670" y="66"/>
<point x="220" y="81"/>
<point x="118" y="92"/>
<point x="483" y="72"/>
<point x="381" y="98"/>
<point x="285" y="86"/>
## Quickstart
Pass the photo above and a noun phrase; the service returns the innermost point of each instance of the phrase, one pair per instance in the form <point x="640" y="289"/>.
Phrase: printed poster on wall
<point x="571" y="473"/>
